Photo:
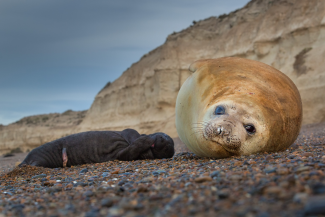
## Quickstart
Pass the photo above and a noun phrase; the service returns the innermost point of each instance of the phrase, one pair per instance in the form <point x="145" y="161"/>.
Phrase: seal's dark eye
<point x="220" y="110"/>
<point x="250" y="128"/>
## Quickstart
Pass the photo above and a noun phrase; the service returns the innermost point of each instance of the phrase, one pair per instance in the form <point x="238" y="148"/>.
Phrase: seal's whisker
<point x="198" y="131"/>
<point x="204" y="124"/>
<point x="197" y="127"/>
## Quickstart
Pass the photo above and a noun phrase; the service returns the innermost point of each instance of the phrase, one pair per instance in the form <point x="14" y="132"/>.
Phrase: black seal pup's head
<point x="162" y="146"/>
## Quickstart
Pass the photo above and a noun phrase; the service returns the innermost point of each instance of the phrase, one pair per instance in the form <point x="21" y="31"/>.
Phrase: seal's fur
<point x="100" y="146"/>
<point x="251" y="93"/>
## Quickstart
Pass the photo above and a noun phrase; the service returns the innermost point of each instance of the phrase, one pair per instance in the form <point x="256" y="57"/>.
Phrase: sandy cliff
<point x="33" y="131"/>
<point x="286" y="34"/>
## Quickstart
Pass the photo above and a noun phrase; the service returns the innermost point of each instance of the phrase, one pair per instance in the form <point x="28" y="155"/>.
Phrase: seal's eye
<point x="220" y="110"/>
<point x="250" y="128"/>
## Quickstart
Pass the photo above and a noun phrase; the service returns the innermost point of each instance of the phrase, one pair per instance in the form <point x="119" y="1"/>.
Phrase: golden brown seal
<point x="234" y="106"/>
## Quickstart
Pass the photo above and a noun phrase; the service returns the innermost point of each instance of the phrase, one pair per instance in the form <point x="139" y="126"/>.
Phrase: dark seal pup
<point x="100" y="146"/>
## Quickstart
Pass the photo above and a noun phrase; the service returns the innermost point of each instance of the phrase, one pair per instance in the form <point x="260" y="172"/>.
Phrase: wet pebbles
<point x="289" y="183"/>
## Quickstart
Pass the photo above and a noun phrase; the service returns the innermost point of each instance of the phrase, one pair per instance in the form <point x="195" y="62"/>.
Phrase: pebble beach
<point x="288" y="183"/>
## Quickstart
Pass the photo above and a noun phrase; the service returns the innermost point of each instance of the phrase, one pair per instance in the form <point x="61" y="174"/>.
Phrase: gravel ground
<point x="8" y="163"/>
<point x="289" y="183"/>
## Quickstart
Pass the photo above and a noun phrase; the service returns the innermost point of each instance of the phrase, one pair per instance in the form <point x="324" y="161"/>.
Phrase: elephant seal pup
<point x="100" y="146"/>
<point x="234" y="106"/>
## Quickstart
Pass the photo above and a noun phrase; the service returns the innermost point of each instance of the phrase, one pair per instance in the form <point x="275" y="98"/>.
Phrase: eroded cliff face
<point x="33" y="131"/>
<point x="288" y="35"/>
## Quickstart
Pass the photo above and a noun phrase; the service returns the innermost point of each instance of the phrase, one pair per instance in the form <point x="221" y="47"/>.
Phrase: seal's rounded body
<point x="234" y="106"/>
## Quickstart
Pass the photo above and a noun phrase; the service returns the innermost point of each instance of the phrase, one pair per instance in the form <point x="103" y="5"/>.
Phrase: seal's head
<point x="161" y="146"/>
<point x="233" y="106"/>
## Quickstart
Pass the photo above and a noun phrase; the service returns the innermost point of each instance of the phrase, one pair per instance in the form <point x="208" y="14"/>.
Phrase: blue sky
<point x="57" y="55"/>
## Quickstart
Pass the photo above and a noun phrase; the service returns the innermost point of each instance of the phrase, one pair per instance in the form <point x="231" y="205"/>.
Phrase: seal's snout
<point x="222" y="131"/>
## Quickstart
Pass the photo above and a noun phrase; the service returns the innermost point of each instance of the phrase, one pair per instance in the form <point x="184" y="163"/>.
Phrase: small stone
<point x="282" y="171"/>
<point x="156" y="197"/>
<point x="284" y="184"/>
<point x="273" y="190"/>
<point x="215" y="174"/>
<point x="252" y="162"/>
<point x="307" y="154"/>
<point x="39" y="176"/>
<point x="130" y="205"/>
<point x="7" y="193"/>
<point x="315" y="205"/>
<point x="106" y="202"/>
<point x="115" y="172"/>
<point x="105" y="174"/>
<point x="321" y="165"/>
<point x="92" y="213"/>
<point x="302" y="169"/>
<point x="83" y="184"/>
<point x="54" y="189"/>
<point x="318" y="188"/>
<point x="300" y="197"/>
<point x="160" y="171"/>
<point x="89" y="194"/>
<point x="18" y="206"/>
<point x="121" y="183"/>
<point x="223" y="194"/>
<point x="52" y="205"/>
<point x="291" y="179"/>
<point x="70" y="207"/>
<point x="268" y="158"/>
<point x="84" y="170"/>
<point x="203" y="179"/>
<point x="142" y="189"/>
<point x="235" y="177"/>
<point x="69" y="185"/>
<point x="270" y="170"/>
<point x="115" y="211"/>
<point x="147" y="179"/>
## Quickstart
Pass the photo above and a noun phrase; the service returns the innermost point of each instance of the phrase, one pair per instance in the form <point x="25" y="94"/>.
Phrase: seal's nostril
<point x="219" y="130"/>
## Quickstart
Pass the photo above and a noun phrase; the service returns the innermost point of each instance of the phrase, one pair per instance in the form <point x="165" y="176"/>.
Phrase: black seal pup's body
<point x="100" y="146"/>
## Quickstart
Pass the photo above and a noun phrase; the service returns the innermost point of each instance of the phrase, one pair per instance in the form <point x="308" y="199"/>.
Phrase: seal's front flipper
<point x="22" y="164"/>
<point x="64" y="157"/>
<point x="130" y="135"/>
